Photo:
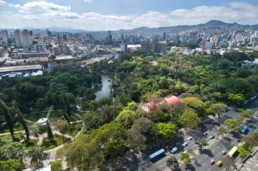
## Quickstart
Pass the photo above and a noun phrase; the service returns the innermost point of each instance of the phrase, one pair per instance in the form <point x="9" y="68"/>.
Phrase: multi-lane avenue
<point x="218" y="144"/>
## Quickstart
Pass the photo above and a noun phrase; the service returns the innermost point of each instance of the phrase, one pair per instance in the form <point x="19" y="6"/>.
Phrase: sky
<point x="93" y="15"/>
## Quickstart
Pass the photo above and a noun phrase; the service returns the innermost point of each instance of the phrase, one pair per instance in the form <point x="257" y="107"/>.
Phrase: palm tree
<point x="202" y="142"/>
<point x="49" y="131"/>
<point x="8" y="118"/>
<point x="172" y="163"/>
<point x="36" y="154"/>
<point x="35" y="130"/>
<point x="22" y="121"/>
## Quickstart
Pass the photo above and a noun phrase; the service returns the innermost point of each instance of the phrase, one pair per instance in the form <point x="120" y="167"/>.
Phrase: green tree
<point x="250" y="141"/>
<point x="190" y="119"/>
<point x="202" y="143"/>
<point x="166" y="130"/>
<point x="136" y="139"/>
<point x="92" y="120"/>
<point x="36" y="154"/>
<point x="56" y="165"/>
<point x="126" y="118"/>
<point x="222" y="131"/>
<point x="11" y="165"/>
<point x="145" y="127"/>
<point x="21" y="120"/>
<point x="236" y="99"/>
<point x="63" y="127"/>
<point x="185" y="157"/>
<point x="243" y="151"/>
<point x="49" y="131"/>
<point x="195" y="103"/>
<point x="112" y="138"/>
<point x="233" y="123"/>
<point x="82" y="154"/>
<point x="12" y="150"/>
<point x="35" y="130"/>
<point x="4" y="110"/>
<point x="219" y="107"/>
<point x="172" y="163"/>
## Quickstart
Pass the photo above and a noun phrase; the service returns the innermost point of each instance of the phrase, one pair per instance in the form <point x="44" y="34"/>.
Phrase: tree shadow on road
<point x="207" y="152"/>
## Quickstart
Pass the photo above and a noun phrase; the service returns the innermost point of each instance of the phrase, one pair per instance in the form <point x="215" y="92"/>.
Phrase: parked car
<point x="211" y="137"/>
<point x="205" y="133"/>
<point x="185" y="144"/>
<point x="174" y="150"/>
<point x="212" y="161"/>
<point x="190" y="138"/>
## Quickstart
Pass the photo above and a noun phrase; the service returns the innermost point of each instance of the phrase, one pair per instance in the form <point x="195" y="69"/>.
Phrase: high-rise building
<point x="17" y="37"/>
<point x="109" y="38"/>
<point x="23" y="38"/>
<point x="123" y="47"/>
<point x="4" y="35"/>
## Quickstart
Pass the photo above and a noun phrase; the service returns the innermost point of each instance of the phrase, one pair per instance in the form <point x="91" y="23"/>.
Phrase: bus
<point x="232" y="152"/>
<point x="157" y="155"/>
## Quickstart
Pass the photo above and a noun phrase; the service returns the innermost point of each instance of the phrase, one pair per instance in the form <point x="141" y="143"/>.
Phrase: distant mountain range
<point x="170" y="29"/>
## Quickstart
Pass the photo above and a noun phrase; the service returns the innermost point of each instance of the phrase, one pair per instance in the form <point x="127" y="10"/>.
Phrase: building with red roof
<point x="152" y="106"/>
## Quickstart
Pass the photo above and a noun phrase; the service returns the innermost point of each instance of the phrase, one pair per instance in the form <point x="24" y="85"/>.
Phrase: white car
<point x="211" y="137"/>
<point x="174" y="150"/>
<point x="185" y="144"/>
<point x="189" y="138"/>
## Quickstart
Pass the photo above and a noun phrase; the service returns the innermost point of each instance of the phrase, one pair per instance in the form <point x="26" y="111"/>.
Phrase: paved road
<point x="215" y="148"/>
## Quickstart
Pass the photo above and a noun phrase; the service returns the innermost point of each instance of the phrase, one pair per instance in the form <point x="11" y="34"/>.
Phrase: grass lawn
<point x="48" y="144"/>
<point x="4" y="128"/>
<point x="74" y="129"/>
<point x="19" y="138"/>
<point x="74" y="118"/>
<point x="56" y="114"/>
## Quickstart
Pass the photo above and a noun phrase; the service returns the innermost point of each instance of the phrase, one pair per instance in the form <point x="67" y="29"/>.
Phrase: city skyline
<point x="94" y="15"/>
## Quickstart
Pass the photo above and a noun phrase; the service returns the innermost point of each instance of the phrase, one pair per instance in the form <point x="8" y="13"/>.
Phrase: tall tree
<point x="8" y="118"/>
<point x="172" y="163"/>
<point x="36" y="154"/>
<point x="190" y="119"/>
<point x="22" y="121"/>
<point x="62" y="127"/>
<point x="49" y="131"/>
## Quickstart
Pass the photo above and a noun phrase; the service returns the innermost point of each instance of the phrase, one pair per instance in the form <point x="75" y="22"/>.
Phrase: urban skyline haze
<point x="96" y="15"/>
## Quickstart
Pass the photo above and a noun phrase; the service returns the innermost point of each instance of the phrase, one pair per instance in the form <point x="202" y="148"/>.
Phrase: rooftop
<point x="20" y="68"/>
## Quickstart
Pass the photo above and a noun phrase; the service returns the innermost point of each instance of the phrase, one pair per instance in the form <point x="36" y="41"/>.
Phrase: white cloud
<point x="2" y="2"/>
<point x="44" y="14"/>
<point x="88" y="1"/>
<point x="41" y="5"/>
<point x="235" y="12"/>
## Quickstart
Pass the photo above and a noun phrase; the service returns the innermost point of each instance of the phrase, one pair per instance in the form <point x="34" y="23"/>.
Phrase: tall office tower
<point x="109" y="37"/>
<point x="60" y="40"/>
<point x="4" y="35"/>
<point x="122" y="38"/>
<point x="164" y="36"/>
<point x="26" y="39"/>
<point x="23" y="38"/>
<point x="17" y="37"/>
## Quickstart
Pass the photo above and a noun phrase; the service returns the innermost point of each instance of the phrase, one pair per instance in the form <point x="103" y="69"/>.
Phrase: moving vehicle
<point x="232" y="152"/>
<point x="219" y="163"/>
<point x="174" y="150"/>
<point x="244" y="129"/>
<point x="157" y="155"/>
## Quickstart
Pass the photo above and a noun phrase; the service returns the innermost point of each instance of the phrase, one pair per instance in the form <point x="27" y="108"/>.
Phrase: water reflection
<point x="105" y="89"/>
